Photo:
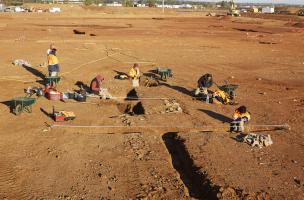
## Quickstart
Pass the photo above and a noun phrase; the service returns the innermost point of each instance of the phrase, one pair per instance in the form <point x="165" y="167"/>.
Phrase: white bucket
<point x="135" y="83"/>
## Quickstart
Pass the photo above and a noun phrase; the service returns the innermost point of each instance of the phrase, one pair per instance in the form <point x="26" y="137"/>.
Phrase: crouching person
<point x="221" y="97"/>
<point x="240" y="117"/>
<point x="96" y="88"/>
<point x="204" y="82"/>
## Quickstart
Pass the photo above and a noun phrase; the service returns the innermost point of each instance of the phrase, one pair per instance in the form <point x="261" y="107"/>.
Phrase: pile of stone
<point x="124" y="118"/>
<point x="151" y="82"/>
<point x="256" y="140"/>
<point x="172" y="106"/>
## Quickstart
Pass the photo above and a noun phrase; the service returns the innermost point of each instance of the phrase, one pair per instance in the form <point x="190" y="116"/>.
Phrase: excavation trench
<point x="132" y="105"/>
<point x="199" y="186"/>
<point x="131" y="108"/>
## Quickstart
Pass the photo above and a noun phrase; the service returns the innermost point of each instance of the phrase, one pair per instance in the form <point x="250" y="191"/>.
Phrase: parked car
<point x="54" y="10"/>
<point x="19" y="9"/>
<point x="9" y="9"/>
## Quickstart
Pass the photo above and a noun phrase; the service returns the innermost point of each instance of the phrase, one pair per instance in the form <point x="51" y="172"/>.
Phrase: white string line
<point x="90" y="62"/>
<point x="136" y="98"/>
<point x="158" y="126"/>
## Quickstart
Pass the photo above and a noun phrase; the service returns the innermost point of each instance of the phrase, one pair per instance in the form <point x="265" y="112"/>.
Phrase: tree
<point x="88" y="2"/>
<point x="225" y="4"/>
<point x="128" y="3"/>
<point x="151" y="3"/>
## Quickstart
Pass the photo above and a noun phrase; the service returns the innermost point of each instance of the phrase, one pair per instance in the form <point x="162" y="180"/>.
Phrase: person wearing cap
<point x="97" y="89"/>
<point x="203" y="83"/>
<point x="240" y="117"/>
<point x="53" y="63"/>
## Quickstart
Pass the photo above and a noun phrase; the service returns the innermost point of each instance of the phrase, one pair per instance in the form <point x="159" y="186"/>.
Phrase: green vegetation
<point x="128" y="3"/>
<point x="151" y="3"/>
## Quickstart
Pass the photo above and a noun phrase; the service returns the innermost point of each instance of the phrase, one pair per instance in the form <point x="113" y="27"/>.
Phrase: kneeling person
<point x="221" y="97"/>
<point x="96" y="88"/>
<point x="204" y="82"/>
<point x="240" y="117"/>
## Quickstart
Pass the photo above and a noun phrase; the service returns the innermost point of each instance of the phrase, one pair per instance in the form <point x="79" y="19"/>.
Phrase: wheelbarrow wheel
<point x="18" y="109"/>
<point x="28" y="109"/>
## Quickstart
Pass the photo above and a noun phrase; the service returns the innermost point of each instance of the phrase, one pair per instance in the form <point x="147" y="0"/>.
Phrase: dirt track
<point x="265" y="57"/>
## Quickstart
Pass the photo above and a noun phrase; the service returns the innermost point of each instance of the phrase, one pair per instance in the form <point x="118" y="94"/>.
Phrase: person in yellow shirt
<point x="134" y="74"/>
<point x="53" y="63"/>
<point x="221" y="97"/>
<point x="240" y="117"/>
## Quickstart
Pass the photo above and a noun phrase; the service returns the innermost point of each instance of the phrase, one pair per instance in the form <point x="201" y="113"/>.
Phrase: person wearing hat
<point x="96" y="88"/>
<point x="134" y="74"/>
<point x="240" y="117"/>
<point x="204" y="82"/>
<point x="53" y="63"/>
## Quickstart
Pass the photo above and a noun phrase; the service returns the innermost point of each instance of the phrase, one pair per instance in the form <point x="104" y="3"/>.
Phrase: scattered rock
<point x="150" y="82"/>
<point x="172" y="106"/>
<point x="256" y="140"/>
<point x="229" y="193"/>
<point x="78" y="32"/>
<point x="294" y="161"/>
<point x="259" y="79"/>
<point x="297" y="180"/>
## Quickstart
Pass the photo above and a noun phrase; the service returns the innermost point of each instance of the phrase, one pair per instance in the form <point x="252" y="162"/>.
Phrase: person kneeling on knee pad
<point x="204" y="82"/>
<point x="220" y="97"/>
<point x="240" y="117"/>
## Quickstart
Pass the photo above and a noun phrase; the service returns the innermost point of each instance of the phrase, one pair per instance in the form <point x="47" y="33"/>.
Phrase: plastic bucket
<point x="135" y="83"/>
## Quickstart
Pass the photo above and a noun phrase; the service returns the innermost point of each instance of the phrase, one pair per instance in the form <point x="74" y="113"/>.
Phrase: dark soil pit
<point x="131" y="109"/>
<point x="138" y="109"/>
<point x="78" y="32"/>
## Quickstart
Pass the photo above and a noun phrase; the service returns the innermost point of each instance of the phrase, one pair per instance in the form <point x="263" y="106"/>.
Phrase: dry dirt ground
<point x="175" y="161"/>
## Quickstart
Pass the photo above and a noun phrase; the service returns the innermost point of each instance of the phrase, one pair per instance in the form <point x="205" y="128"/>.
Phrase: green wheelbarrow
<point x="229" y="89"/>
<point x="22" y="104"/>
<point x="51" y="80"/>
<point x="164" y="73"/>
